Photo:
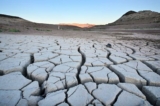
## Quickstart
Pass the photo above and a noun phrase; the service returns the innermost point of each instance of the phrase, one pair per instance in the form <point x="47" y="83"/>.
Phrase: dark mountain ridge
<point x="8" y="16"/>
<point x="134" y="20"/>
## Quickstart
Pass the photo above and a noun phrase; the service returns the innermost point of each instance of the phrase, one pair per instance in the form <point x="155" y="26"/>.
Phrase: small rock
<point x="109" y="45"/>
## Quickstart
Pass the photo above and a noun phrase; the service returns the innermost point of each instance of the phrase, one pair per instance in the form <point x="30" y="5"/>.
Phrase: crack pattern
<point x="78" y="72"/>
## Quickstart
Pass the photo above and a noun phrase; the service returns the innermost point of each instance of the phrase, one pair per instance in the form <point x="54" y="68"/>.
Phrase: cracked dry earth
<point x="58" y="71"/>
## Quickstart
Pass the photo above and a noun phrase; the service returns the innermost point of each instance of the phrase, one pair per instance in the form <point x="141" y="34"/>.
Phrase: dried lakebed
<point x="58" y="71"/>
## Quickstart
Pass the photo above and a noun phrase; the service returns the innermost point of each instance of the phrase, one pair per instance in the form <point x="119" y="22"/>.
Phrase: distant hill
<point x="141" y="17"/>
<point x="135" y="20"/>
<point x="79" y="25"/>
<point x="8" y="22"/>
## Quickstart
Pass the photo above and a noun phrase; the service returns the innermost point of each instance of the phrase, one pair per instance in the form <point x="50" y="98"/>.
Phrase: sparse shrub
<point x="37" y="29"/>
<point x="14" y="30"/>
<point x="27" y="28"/>
<point x="48" y="30"/>
<point x="0" y="30"/>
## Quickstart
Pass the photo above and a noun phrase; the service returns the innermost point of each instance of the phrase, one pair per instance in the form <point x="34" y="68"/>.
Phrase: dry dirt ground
<point x="79" y="68"/>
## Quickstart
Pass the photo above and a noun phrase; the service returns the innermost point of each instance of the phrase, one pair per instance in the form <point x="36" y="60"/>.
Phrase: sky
<point x="74" y="11"/>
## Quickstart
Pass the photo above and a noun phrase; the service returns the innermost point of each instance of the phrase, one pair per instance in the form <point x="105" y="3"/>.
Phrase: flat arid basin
<point x="80" y="68"/>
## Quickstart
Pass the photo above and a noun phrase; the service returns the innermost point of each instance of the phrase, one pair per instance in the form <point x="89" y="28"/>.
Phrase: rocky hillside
<point x="134" y="20"/>
<point x="141" y="17"/>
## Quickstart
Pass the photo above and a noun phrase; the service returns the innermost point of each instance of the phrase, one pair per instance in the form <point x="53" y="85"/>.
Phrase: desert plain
<point x="79" y="68"/>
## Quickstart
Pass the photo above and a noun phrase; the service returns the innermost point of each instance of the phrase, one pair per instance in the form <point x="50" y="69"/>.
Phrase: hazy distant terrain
<point x="79" y="25"/>
<point x="131" y="20"/>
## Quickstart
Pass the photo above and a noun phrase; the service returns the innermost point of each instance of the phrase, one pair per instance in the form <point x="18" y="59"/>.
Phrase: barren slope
<point x="141" y="17"/>
<point x="135" y="20"/>
<point x="12" y="22"/>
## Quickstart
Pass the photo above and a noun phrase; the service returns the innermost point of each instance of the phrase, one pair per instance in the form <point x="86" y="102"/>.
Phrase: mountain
<point x="134" y="20"/>
<point x="78" y="25"/>
<point x="141" y="17"/>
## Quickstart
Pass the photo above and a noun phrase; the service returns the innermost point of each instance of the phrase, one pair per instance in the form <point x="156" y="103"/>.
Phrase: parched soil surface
<point x="79" y="68"/>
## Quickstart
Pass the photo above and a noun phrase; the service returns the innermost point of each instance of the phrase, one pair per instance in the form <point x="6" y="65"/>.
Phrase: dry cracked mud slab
<point x="155" y="65"/>
<point x="118" y="47"/>
<point x="98" y="75"/>
<point x="61" y="77"/>
<point x="39" y="71"/>
<point x="141" y="57"/>
<point x="57" y="70"/>
<point x="15" y="96"/>
<point x="119" y="57"/>
<point x="153" y="79"/>
<point x="153" y="94"/>
<point x="137" y="73"/>
<point x="14" y="63"/>
<point x="62" y="59"/>
<point x="16" y="89"/>
<point x="4" y="56"/>
<point x="95" y="57"/>
<point x="73" y="52"/>
<point x="100" y="95"/>
<point x="97" y="62"/>
<point x="63" y="71"/>
<point x="129" y="99"/>
<point x="13" y="81"/>
<point x="44" y="56"/>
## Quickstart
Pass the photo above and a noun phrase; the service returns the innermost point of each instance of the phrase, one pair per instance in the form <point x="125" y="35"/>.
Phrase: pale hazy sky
<point x="74" y="11"/>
